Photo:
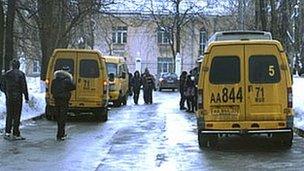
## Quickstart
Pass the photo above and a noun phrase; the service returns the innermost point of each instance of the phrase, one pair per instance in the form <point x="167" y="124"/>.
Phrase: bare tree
<point x="9" y="34"/>
<point x="1" y="35"/>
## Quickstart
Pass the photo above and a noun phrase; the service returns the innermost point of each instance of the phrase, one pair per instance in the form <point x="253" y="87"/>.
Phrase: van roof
<point x="245" y="42"/>
<point x="114" y="59"/>
<point x="240" y="34"/>
<point x="77" y="50"/>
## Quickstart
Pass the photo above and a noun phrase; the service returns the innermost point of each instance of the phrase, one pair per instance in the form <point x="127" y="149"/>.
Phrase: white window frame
<point x="202" y="41"/>
<point x="165" y="38"/>
<point x="119" y="35"/>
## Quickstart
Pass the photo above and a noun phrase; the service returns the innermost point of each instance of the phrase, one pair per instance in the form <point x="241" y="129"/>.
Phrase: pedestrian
<point x="61" y="88"/>
<point x="136" y="84"/>
<point x="130" y="84"/>
<point x="182" y="89"/>
<point x="148" y="85"/>
<point x="14" y="86"/>
<point x="189" y="94"/>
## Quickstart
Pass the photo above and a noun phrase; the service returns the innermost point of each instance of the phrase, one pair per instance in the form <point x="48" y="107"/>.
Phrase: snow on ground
<point x="36" y="104"/>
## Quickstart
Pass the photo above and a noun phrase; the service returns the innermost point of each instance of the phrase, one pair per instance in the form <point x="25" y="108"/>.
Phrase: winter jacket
<point x="14" y="84"/>
<point x="136" y="83"/>
<point x="182" y="83"/>
<point x="148" y="81"/>
<point x="62" y="85"/>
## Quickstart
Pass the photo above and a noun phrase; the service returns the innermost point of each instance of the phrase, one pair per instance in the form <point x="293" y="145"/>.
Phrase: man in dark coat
<point x="136" y="84"/>
<point x="61" y="88"/>
<point x="14" y="85"/>
<point x="182" y="89"/>
<point x="148" y="85"/>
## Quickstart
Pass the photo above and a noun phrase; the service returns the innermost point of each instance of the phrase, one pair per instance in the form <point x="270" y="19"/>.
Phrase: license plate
<point x="227" y="110"/>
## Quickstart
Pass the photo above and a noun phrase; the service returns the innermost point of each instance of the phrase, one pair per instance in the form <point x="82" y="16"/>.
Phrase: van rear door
<point x="89" y="82"/>
<point x="224" y="86"/>
<point x="266" y="85"/>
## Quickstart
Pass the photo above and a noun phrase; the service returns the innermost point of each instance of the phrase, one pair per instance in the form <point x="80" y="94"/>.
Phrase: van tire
<point x="49" y="113"/>
<point x="124" y="100"/>
<point x="117" y="103"/>
<point x="213" y="140"/>
<point x="202" y="140"/>
<point x="101" y="114"/>
<point x="286" y="139"/>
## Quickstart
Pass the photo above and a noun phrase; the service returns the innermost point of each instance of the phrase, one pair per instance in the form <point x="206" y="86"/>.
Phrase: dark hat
<point x="66" y="68"/>
<point x="15" y="64"/>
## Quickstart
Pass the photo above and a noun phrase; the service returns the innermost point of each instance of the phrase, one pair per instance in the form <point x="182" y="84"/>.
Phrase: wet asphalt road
<point x="142" y="137"/>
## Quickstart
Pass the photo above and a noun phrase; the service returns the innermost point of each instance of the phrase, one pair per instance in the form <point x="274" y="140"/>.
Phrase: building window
<point x="36" y="67"/>
<point x="119" y="35"/>
<point x="165" y="65"/>
<point x="163" y="37"/>
<point x="202" y="41"/>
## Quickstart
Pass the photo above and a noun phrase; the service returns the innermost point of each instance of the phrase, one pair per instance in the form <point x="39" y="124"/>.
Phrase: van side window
<point x="264" y="69"/>
<point x="225" y="70"/>
<point x="64" y="62"/>
<point x="89" y="68"/>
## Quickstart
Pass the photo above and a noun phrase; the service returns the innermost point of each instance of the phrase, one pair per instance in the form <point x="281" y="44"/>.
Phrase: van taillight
<point x="200" y="97"/>
<point x="289" y="97"/>
<point x="105" y="87"/>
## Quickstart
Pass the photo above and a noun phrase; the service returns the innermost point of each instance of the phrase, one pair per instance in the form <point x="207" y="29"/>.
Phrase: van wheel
<point x="116" y="103"/>
<point x="202" y="140"/>
<point x="49" y="112"/>
<point x="213" y="140"/>
<point x="286" y="139"/>
<point x="125" y="99"/>
<point x="173" y="89"/>
<point x="101" y="115"/>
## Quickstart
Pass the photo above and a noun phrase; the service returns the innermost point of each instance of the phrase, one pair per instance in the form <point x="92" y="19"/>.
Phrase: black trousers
<point x="13" y="114"/>
<point x="136" y="95"/>
<point x="61" y="117"/>
<point x="190" y="103"/>
<point x="182" y="100"/>
<point x="148" y="95"/>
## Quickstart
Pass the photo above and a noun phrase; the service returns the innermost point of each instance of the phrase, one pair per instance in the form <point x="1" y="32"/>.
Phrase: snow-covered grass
<point x="298" y="101"/>
<point x="36" y="104"/>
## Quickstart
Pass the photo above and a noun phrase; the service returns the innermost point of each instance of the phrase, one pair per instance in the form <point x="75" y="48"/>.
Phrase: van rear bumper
<point x="266" y="131"/>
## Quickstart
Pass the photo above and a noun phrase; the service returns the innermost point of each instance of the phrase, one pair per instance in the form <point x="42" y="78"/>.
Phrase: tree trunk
<point x="1" y="36"/>
<point x="257" y="16"/>
<point x="263" y="15"/>
<point x="9" y="36"/>
<point x="274" y="20"/>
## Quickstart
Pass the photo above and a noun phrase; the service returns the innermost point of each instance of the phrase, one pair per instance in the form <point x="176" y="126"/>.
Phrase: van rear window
<point x="225" y="70"/>
<point x="264" y="69"/>
<point x="89" y="68"/>
<point x="60" y="63"/>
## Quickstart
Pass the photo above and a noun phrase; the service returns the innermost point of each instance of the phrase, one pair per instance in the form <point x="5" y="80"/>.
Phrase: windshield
<point x="112" y="68"/>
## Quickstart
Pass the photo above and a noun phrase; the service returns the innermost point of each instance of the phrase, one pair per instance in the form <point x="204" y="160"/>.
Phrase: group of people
<point x="14" y="86"/>
<point x="147" y="81"/>
<point x="188" y="92"/>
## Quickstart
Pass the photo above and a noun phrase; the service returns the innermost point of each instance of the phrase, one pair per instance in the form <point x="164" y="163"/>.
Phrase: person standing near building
<point x="61" y="88"/>
<point x="14" y="85"/>
<point x="189" y="93"/>
<point x="149" y="85"/>
<point x="182" y="89"/>
<point x="136" y="84"/>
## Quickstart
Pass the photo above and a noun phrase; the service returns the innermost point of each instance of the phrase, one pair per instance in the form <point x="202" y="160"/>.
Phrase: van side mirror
<point x="123" y="75"/>
<point x="111" y="77"/>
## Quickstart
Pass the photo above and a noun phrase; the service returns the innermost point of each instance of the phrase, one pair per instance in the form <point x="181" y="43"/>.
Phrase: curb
<point x="299" y="132"/>
<point x="26" y="121"/>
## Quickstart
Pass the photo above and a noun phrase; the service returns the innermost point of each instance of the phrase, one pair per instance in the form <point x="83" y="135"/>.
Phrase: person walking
<point x="189" y="94"/>
<point x="14" y="86"/>
<point x="136" y="84"/>
<point x="182" y="89"/>
<point x="61" y="88"/>
<point x="148" y="85"/>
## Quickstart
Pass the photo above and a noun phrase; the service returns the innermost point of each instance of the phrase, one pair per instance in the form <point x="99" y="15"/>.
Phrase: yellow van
<point x="89" y="71"/>
<point x="118" y="80"/>
<point x="244" y="88"/>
